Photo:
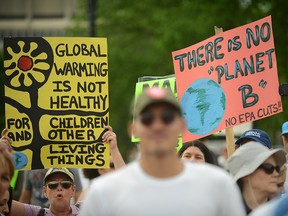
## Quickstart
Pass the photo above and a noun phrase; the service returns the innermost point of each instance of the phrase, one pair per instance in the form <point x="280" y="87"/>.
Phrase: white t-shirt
<point x="84" y="181"/>
<point x="200" y="189"/>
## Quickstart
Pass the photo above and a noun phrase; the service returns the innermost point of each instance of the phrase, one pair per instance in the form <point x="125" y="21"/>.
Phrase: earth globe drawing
<point x="203" y="105"/>
<point x="20" y="160"/>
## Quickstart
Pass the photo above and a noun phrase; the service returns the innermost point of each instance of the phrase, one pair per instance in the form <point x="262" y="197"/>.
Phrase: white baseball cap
<point x="65" y="171"/>
<point x="246" y="159"/>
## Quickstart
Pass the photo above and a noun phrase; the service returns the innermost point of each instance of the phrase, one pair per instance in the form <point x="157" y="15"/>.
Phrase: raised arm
<point x="110" y="136"/>
<point x="4" y="138"/>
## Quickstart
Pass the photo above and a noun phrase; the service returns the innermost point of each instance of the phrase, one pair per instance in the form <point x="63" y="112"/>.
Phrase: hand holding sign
<point x="116" y="157"/>
<point x="110" y="136"/>
<point x="4" y="138"/>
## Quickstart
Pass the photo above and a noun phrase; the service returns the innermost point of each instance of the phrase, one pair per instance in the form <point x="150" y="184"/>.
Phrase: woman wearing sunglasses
<point x="59" y="188"/>
<point x="256" y="169"/>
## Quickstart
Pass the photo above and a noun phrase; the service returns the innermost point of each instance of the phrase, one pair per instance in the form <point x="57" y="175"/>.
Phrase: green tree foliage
<point x="142" y="34"/>
<point x="141" y="37"/>
<point x="255" y="10"/>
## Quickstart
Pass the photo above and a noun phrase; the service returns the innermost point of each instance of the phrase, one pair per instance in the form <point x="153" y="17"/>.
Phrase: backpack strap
<point x="41" y="212"/>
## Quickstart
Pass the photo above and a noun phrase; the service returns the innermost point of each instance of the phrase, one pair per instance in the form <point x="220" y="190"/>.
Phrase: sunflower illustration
<point x="28" y="64"/>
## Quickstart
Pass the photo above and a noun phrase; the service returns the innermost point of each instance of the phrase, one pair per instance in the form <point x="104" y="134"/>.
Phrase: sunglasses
<point x="64" y="184"/>
<point x="269" y="168"/>
<point x="167" y="117"/>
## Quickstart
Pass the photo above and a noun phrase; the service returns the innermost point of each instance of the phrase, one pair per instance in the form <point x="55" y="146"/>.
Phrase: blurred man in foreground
<point x="160" y="183"/>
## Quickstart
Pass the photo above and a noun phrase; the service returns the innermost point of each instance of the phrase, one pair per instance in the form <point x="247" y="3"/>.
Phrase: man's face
<point x="58" y="194"/>
<point x="158" y="128"/>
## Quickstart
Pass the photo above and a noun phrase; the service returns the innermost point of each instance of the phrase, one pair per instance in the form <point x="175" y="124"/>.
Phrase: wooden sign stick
<point x="229" y="132"/>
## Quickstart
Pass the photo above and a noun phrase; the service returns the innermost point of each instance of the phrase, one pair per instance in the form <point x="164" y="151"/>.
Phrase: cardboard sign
<point x="56" y="101"/>
<point x="228" y="79"/>
<point x="161" y="82"/>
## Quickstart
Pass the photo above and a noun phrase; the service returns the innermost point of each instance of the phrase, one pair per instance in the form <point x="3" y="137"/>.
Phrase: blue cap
<point x="256" y="135"/>
<point x="285" y="128"/>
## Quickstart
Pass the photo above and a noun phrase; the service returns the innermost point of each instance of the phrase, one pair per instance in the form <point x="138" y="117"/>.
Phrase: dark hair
<point x="208" y="155"/>
<point x="90" y="173"/>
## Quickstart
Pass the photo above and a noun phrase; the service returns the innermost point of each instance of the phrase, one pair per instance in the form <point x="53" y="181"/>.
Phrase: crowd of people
<point x="161" y="181"/>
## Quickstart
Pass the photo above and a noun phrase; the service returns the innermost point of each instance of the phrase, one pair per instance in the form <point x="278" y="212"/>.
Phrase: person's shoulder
<point x="115" y="176"/>
<point x="208" y="170"/>
<point x="204" y="167"/>
<point x="31" y="209"/>
<point x="110" y="182"/>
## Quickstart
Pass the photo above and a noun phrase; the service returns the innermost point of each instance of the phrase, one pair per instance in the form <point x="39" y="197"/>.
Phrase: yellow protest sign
<point x="57" y="101"/>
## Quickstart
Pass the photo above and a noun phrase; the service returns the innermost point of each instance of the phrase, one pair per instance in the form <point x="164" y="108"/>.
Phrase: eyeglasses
<point x="167" y="117"/>
<point x="269" y="168"/>
<point x="64" y="184"/>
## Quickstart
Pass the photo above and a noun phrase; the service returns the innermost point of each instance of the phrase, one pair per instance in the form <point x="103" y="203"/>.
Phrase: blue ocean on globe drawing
<point x="20" y="160"/>
<point x="203" y="105"/>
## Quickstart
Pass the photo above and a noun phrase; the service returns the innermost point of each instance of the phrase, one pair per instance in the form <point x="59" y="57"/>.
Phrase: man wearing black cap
<point x="160" y="183"/>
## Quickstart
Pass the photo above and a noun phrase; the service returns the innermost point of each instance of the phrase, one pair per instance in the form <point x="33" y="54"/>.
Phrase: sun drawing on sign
<point x="24" y="68"/>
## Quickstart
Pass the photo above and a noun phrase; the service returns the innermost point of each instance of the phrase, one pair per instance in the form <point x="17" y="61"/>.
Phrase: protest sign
<point x="56" y="101"/>
<point x="228" y="79"/>
<point x="161" y="82"/>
